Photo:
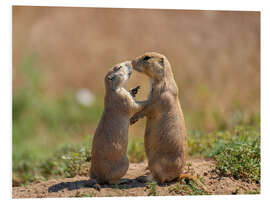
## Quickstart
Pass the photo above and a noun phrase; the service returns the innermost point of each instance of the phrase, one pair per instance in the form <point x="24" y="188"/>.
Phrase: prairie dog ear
<point x="161" y="62"/>
<point x="114" y="81"/>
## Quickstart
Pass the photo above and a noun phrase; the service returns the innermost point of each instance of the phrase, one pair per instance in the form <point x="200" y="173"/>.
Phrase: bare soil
<point x="133" y="186"/>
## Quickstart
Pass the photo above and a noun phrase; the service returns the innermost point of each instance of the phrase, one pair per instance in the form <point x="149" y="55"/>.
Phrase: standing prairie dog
<point x="165" y="133"/>
<point x="109" y="161"/>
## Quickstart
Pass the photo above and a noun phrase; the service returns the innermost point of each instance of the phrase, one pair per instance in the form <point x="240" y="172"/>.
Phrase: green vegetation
<point x="252" y="192"/>
<point x="152" y="188"/>
<point x="90" y="194"/>
<point x="241" y="156"/>
<point x="191" y="189"/>
<point x="178" y="189"/>
<point x="117" y="189"/>
<point x="237" y="152"/>
<point x="136" y="150"/>
<point x="206" y="144"/>
<point x="67" y="161"/>
<point x="187" y="187"/>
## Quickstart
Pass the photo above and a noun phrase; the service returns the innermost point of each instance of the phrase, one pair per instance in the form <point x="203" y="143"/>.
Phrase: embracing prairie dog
<point x="165" y="134"/>
<point x="109" y="161"/>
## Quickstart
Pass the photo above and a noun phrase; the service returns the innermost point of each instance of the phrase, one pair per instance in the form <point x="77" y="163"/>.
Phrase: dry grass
<point x="215" y="55"/>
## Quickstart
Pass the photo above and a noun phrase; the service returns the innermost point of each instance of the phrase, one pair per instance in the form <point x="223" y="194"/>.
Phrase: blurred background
<point x="61" y="55"/>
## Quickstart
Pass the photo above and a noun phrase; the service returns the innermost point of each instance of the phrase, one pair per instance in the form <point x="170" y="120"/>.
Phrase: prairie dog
<point x="109" y="161"/>
<point x="165" y="132"/>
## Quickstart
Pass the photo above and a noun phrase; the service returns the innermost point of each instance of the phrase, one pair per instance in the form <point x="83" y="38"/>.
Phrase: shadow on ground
<point x="126" y="183"/>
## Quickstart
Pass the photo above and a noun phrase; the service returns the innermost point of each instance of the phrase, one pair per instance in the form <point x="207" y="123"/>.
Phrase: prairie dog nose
<point x="129" y="66"/>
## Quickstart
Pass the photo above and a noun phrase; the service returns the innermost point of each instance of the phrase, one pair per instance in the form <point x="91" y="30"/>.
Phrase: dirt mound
<point x="133" y="186"/>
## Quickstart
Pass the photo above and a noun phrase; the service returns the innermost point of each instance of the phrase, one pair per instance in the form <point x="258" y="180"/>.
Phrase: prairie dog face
<point x="118" y="76"/>
<point x="151" y="63"/>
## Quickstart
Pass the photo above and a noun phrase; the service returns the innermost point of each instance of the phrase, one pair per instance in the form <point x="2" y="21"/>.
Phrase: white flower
<point x="85" y="97"/>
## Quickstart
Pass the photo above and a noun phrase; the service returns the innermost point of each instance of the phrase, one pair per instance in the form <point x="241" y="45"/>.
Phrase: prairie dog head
<point x="118" y="75"/>
<point x="152" y="64"/>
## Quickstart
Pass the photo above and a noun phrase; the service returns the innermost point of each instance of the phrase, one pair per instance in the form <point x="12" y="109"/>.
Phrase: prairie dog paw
<point x="134" y="91"/>
<point x="133" y="119"/>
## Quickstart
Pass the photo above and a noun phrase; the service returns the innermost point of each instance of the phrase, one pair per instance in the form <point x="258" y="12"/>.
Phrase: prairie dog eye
<point x="116" y="68"/>
<point x="110" y="77"/>
<point x="146" y="58"/>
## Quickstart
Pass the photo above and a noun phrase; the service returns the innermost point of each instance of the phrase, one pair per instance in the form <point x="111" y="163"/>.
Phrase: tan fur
<point x="108" y="157"/>
<point x="165" y="133"/>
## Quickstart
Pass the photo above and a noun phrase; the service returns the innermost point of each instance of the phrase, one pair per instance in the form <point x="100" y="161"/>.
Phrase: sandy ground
<point x="133" y="186"/>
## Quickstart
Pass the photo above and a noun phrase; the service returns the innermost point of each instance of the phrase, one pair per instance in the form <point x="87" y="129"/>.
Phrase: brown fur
<point x="165" y="133"/>
<point x="108" y="157"/>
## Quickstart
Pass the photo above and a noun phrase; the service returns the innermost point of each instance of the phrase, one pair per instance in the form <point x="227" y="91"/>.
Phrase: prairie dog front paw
<point x="134" y="91"/>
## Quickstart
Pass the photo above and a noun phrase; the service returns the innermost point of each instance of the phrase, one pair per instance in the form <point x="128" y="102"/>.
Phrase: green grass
<point x="67" y="161"/>
<point x="237" y="152"/>
<point x="187" y="188"/>
<point x="205" y="144"/>
<point x="90" y="194"/>
<point x="250" y="192"/>
<point x="192" y="189"/>
<point x="240" y="157"/>
<point x="151" y="186"/>
<point x="136" y="151"/>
